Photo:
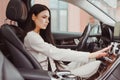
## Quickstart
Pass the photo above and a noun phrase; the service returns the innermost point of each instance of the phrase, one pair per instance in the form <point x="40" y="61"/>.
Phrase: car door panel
<point x="34" y="74"/>
<point x="115" y="75"/>
<point x="66" y="39"/>
<point x="112" y="77"/>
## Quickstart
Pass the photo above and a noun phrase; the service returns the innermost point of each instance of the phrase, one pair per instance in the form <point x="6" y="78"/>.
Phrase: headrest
<point x="16" y="11"/>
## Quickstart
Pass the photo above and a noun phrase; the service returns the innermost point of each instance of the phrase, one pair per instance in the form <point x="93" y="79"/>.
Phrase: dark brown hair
<point x="30" y="25"/>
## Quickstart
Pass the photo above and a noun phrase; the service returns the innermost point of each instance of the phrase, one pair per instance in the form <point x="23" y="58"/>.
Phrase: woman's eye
<point x="44" y="17"/>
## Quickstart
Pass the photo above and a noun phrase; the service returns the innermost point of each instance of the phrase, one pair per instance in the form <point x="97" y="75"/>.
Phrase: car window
<point x="59" y="12"/>
<point x="110" y="7"/>
<point x="66" y="17"/>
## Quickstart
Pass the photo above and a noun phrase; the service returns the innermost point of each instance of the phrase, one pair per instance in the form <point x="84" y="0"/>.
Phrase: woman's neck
<point x="36" y="30"/>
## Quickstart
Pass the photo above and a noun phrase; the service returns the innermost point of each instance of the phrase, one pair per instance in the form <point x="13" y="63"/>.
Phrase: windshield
<point x="109" y="7"/>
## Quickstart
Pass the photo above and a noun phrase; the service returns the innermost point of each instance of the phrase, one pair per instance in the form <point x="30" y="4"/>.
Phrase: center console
<point x="110" y="62"/>
<point x="63" y="75"/>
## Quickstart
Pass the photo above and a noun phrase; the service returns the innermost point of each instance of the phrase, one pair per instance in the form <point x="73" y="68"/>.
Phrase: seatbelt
<point x="49" y="65"/>
<point x="56" y="65"/>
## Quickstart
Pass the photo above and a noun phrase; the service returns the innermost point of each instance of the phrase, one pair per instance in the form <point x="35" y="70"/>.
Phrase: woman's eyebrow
<point x="46" y="16"/>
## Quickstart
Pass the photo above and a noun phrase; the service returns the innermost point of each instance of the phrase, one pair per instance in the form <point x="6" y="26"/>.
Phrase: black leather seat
<point x="82" y="44"/>
<point x="6" y="68"/>
<point x="18" y="55"/>
<point x="16" y="11"/>
<point x="107" y="34"/>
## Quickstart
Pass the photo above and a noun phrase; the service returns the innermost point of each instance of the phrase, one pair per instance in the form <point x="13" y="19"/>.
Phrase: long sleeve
<point x="36" y="43"/>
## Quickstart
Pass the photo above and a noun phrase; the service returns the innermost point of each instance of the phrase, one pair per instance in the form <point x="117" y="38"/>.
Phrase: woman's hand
<point x="100" y="53"/>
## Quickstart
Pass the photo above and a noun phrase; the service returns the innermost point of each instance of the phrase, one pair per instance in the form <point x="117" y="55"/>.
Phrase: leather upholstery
<point x="83" y="39"/>
<point x="7" y="70"/>
<point x="16" y="11"/>
<point x="21" y="58"/>
<point x="107" y="33"/>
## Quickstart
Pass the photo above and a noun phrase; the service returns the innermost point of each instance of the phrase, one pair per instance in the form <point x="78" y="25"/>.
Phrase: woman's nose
<point x="47" y="21"/>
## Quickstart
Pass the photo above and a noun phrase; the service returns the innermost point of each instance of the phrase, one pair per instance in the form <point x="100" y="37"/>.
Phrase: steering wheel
<point x="107" y="36"/>
<point x="83" y="39"/>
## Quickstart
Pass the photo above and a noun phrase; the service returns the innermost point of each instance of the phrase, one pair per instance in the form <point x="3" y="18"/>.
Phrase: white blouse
<point x="41" y="50"/>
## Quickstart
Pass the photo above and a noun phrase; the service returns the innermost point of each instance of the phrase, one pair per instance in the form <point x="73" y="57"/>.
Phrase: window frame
<point x="58" y="9"/>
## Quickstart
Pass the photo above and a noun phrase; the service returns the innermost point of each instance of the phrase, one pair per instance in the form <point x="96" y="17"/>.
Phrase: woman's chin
<point x="44" y="28"/>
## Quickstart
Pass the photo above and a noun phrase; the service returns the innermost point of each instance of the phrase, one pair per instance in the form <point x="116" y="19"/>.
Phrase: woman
<point x="39" y="42"/>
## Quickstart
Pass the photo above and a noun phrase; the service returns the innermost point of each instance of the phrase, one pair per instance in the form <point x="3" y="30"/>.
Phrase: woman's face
<point x="41" y="20"/>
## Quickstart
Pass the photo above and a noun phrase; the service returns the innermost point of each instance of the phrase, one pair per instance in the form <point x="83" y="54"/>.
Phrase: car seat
<point x="6" y="68"/>
<point x="82" y="44"/>
<point x="16" y="12"/>
<point x="15" y="50"/>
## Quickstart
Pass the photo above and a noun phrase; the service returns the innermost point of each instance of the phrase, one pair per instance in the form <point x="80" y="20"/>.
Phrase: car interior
<point x="16" y="59"/>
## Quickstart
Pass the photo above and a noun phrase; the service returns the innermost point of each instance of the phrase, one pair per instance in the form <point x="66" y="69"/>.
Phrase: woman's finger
<point x="105" y="49"/>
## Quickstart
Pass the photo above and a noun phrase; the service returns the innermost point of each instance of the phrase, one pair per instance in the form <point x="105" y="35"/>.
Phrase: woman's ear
<point x="33" y="17"/>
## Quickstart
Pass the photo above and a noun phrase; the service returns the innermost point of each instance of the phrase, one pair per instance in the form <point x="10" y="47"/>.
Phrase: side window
<point x="59" y="12"/>
<point x="32" y="2"/>
<point x="66" y="17"/>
